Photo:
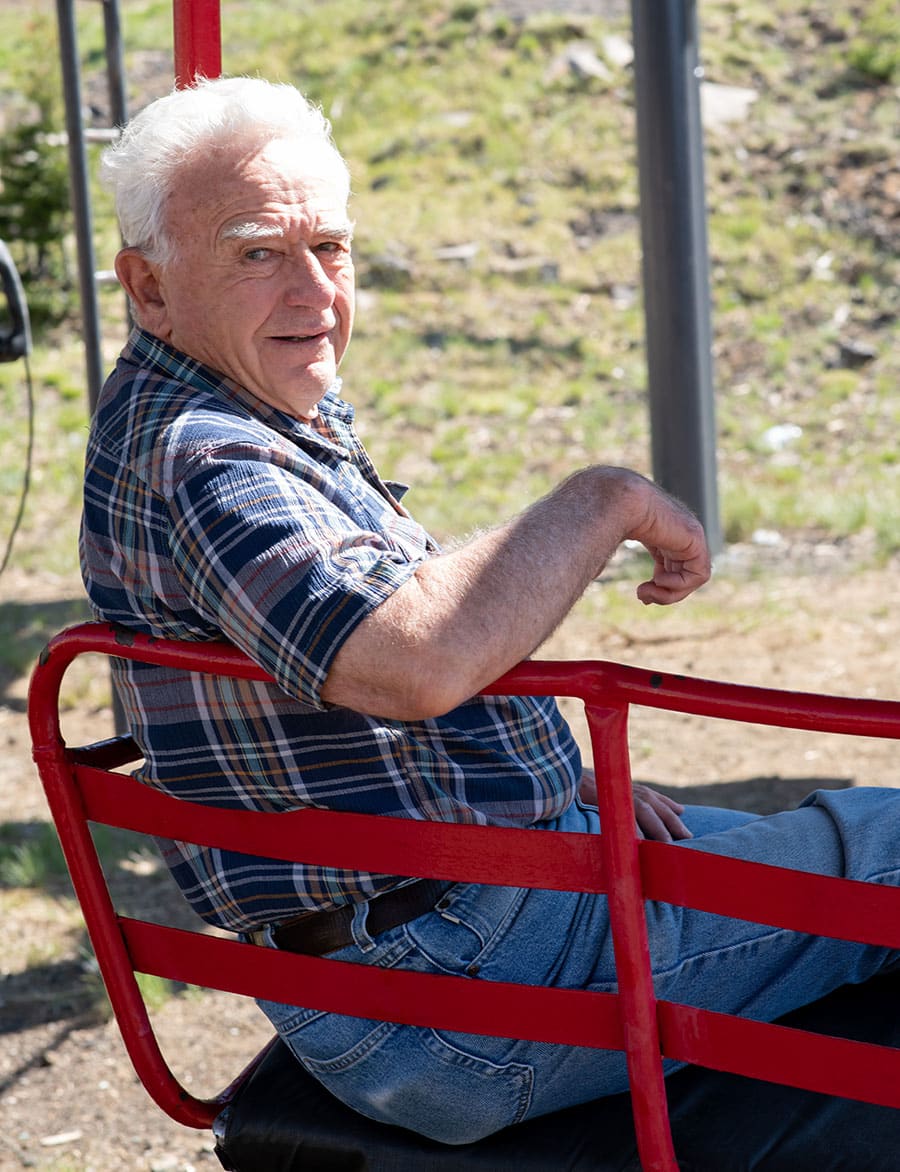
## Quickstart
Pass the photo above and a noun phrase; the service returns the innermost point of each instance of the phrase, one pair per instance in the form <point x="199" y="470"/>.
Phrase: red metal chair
<point x="85" y="784"/>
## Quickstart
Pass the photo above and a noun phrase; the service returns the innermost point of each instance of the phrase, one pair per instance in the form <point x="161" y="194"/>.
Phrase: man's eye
<point x="333" y="246"/>
<point x="258" y="253"/>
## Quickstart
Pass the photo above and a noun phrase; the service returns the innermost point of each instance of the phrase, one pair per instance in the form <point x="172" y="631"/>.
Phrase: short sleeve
<point x="284" y="561"/>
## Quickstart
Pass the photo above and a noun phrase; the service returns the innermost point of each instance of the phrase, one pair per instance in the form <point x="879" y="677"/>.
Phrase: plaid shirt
<point x="208" y="514"/>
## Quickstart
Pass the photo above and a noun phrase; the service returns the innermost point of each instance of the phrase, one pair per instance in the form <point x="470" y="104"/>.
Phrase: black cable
<point x="26" y="477"/>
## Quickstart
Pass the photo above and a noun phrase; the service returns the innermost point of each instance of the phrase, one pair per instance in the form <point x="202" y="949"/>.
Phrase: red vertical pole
<point x="637" y="1000"/>
<point x="198" y="40"/>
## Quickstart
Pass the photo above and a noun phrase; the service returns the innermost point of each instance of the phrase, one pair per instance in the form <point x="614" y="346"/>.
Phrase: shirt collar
<point x="332" y="430"/>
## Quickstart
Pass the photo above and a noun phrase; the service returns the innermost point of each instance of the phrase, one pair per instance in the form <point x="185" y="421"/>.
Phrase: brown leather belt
<point x="318" y="933"/>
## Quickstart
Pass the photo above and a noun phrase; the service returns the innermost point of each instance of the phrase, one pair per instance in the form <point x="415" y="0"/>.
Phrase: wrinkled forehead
<point x="239" y="182"/>
<point x="290" y="161"/>
<point x="311" y="159"/>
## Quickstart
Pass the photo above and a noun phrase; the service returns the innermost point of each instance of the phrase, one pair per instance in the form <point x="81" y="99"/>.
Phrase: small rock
<point x="722" y="105"/>
<point x="164" y="1164"/>
<point x="61" y="1137"/>
<point x="459" y="119"/>
<point x="463" y="253"/>
<point x="623" y="296"/>
<point x="618" y="51"/>
<point x="580" y="59"/>
<point x="527" y="268"/>
<point x="767" y="537"/>
<point x="854" y="354"/>
<point x="777" y="438"/>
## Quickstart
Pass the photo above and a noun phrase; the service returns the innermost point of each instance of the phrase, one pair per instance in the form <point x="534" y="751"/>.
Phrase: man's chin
<point x="299" y="396"/>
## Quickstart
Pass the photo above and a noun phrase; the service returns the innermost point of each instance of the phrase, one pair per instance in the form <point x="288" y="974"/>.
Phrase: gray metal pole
<point x="115" y="64"/>
<point x="81" y="204"/>
<point x="675" y="258"/>
<point x="115" y="81"/>
<point x="81" y="199"/>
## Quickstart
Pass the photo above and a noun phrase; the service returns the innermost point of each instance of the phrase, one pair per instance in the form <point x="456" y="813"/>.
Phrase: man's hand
<point x="656" y="815"/>
<point x="675" y="540"/>
<point x="587" y="787"/>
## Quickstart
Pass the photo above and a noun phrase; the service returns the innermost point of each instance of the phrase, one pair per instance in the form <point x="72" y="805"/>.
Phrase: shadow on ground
<point x="25" y="627"/>
<point x="760" y="795"/>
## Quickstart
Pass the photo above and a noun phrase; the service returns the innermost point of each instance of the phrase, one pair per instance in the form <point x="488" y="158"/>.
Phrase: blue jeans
<point x="458" y="1088"/>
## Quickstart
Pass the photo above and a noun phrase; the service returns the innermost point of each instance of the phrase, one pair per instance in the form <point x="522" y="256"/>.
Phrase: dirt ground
<point x="68" y="1098"/>
<point x="804" y="617"/>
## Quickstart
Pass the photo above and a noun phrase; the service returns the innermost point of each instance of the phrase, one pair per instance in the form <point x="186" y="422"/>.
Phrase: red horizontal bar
<point x="781" y="1054"/>
<point x="598" y="681"/>
<point x="507" y="856"/>
<point x="594" y="681"/>
<point x="823" y="905"/>
<point x="574" y="1017"/>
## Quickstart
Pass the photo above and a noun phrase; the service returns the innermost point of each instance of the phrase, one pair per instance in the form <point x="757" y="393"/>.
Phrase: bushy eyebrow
<point x="340" y="231"/>
<point x="254" y="230"/>
<point x="251" y="230"/>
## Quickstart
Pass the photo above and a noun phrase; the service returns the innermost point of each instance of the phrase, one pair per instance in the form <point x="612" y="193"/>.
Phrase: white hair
<point x="142" y="166"/>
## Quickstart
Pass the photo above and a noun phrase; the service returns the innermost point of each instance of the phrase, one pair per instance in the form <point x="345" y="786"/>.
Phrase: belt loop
<point x="261" y="937"/>
<point x="358" y="927"/>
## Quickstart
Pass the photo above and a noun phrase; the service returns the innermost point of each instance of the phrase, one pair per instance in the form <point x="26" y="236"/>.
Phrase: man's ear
<point x="141" y="281"/>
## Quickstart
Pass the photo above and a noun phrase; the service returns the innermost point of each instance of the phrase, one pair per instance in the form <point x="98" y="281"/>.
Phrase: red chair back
<point x="86" y="784"/>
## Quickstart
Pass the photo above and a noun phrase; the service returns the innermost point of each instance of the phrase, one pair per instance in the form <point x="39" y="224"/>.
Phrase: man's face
<point x="261" y="286"/>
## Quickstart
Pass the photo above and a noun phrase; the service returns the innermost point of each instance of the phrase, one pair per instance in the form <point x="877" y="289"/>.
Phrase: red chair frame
<point x="83" y="786"/>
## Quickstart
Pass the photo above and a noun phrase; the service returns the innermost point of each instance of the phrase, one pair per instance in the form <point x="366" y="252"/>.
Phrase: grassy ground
<point x="500" y="342"/>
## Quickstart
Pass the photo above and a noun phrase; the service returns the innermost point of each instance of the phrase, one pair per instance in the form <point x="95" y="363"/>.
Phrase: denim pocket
<point x="455" y="1088"/>
<point x="470" y="924"/>
<point x="420" y="1079"/>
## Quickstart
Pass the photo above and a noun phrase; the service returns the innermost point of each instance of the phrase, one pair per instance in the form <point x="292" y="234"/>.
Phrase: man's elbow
<point x="417" y="693"/>
<point x="428" y="699"/>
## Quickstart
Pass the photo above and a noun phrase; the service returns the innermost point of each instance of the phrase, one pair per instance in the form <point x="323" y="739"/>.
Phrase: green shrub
<point x="875" y="51"/>
<point x="35" y="215"/>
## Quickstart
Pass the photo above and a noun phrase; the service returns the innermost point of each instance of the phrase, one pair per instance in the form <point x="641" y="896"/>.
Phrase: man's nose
<point x="308" y="283"/>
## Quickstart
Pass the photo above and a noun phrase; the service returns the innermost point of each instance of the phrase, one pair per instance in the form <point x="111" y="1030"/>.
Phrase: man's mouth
<point x="296" y="338"/>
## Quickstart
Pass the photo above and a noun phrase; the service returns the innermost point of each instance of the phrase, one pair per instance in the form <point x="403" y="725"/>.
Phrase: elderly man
<point x="227" y="495"/>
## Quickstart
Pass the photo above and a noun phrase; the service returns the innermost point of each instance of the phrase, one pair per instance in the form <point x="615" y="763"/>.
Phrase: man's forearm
<point x="467" y="616"/>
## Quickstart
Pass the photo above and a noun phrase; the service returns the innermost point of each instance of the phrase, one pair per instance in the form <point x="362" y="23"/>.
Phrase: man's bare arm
<point x="467" y="616"/>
